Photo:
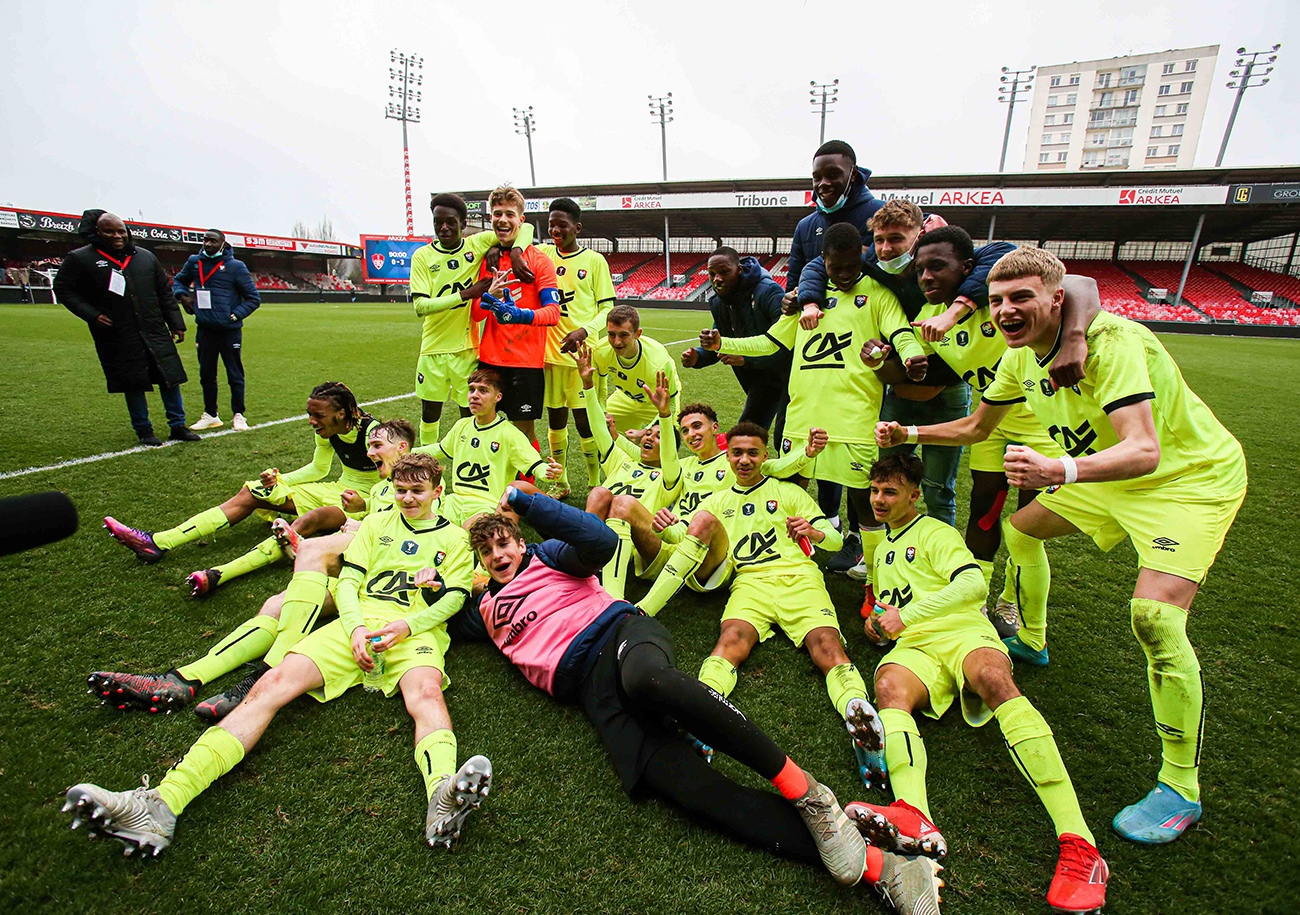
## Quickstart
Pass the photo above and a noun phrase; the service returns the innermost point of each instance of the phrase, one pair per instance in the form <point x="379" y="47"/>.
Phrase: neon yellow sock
<point x="298" y="612"/>
<point x="265" y="553"/>
<point x="1008" y="586"/>
<point x="843" y="684"/>
<point x="249" y="640"/>
<point x="905" y="758"/>
<point x="215" y="753"/>
<point x="719" y="674"/>
<point x="614" y="576"/>
<point x="1174" y="677"/>
<point x="986" y="569"/>
<point x="428" y="433"/>
<point x="435" y="757"/>
<point x="204" y="524"/>
<point x="1029" y="578"/>
<point x="558" y="440"/>
<point x="589" y="455"/>
<point x="1034" y="751"/>
<point x="684" y="561"/>
<point x="871" y="538"/>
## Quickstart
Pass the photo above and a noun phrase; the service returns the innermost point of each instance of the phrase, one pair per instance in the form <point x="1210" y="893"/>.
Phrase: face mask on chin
<point x="837" y="205"/>
<point x="896" y="265"/>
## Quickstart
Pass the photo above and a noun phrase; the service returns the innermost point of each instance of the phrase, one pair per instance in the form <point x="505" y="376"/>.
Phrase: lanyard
<point x="121" y="265"/>
<point x="203" y="280"/>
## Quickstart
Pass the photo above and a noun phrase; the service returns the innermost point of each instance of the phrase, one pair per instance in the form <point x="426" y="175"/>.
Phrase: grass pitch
<point x="327" y="813"/>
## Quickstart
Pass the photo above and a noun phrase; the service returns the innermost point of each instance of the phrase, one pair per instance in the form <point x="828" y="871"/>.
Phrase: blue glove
<point x="507" y="312"/>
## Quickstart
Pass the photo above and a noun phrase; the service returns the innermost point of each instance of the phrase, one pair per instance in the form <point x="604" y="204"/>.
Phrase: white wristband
<point x="912" y="435"/>
<point x="1071" y="468"/>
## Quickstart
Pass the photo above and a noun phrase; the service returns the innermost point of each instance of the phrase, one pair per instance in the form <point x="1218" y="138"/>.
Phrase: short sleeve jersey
<point x="387" y="552"/>
<point x="830" y="386"/>
<point x="754" y="519"/>
<point x="701" y="480"/>
<point x="436" y="272"/>
<point x="918" y="560"/>
<point x="586" y="294"/>
<point x="484" y="459"/>
<point x="519" y="345"/>
<point x="628" y="377"/>
<point x="1126" y="364"/>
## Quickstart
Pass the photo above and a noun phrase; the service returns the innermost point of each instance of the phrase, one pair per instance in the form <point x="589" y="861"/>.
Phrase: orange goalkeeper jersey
<point x="522" y="345"/>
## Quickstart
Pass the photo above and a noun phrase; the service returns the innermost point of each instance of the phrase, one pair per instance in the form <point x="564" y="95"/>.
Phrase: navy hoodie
<point x="231" y="285"/>
<point x="753" y="306"/>
<point x="808" y="233"/>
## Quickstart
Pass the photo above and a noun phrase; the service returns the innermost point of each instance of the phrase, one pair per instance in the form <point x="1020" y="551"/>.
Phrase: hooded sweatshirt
<point x="753" y="306"/>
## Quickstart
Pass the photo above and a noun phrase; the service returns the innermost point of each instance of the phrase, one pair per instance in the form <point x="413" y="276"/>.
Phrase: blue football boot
<point x="1160" y="817"/>
<point x="1020" y="651"/>
<point x="863" y="724"/>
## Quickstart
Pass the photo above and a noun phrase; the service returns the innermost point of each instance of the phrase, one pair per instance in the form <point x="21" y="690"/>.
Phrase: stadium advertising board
<point x="387" y="258"/>
<point x="1265" y="193"/>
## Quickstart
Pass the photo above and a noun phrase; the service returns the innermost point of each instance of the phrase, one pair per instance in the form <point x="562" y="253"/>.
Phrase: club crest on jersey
<point x="722" y="474"/>
<point x="911" y="553"/>
<point x="771" y="506"/>
<point x="410" y="547"/>
<point x="469" y="257"/>
<point x="495" y="446"/>
<point x="747" y="508"/>
<point x="699" y="475"/>
<point x="785" y="449"/>
<point x="987" y="329"/>
<point x="419" y="376"/>
<point x="860" y="300"/>
<point x="439" y="556"/>
<point x="559" y="271"/>
<point x="654" y="475"/>
<point x="582" y="274"/>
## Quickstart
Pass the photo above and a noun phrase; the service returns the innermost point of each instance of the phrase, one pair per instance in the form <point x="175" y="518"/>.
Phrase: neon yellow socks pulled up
<point x="428" y="433"/>
<point x="871" y="538"/>
<point x="246" y="642"/>
<point x="299" y="611"/>
<point x="905" y="758"/>
<point x="265" y="553"/>
<point x="589" y="455"/>
<point x="435" y="757"/>
<point x="1174" y="677"/>
<point x="1034" y="751"/>
<point x="1029" y="578"/>
<point x="558" y="440"/>
<point x="843" y="684"/>
<point x="718" y="674"/>
<point x="215" y="753"/>
<point x="204" y="524"/>
<point x="684" y="561"/>
<point x="613" y="578"/>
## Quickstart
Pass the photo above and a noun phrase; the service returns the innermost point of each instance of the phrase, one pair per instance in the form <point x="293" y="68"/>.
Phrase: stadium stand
<point x="327" y="281"/>
<point x="640" y="281"/>
<point x="271" y="281"/>
<point x="1261" y="280"/>
<point x="1250" y="314"/>
<point x="626" y="263"/>
<point x="696" y="277"/>
<point x="1203" y="287"/>
<point x="1120" y="294"/>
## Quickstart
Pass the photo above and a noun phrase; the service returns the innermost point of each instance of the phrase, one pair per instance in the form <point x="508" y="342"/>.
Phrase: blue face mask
<point x="839" y="204"/>
<point x="897" y="265"/>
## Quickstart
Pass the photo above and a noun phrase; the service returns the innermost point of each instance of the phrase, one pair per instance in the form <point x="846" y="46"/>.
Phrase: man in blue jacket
<point x="745" y="303"/>
<point x="222" y="296"/>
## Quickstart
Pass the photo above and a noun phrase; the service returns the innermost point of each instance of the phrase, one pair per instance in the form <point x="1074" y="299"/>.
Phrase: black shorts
<point x="630" y="734"/>
<point x="523" y="390"/>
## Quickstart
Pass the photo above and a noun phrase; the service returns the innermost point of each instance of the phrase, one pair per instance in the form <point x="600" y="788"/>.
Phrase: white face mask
<point x="897" y="265"/>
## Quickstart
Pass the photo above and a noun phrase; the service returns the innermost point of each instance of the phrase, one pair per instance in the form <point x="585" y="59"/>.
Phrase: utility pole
<point x="525" y="124"/>
<point x="404" y="109"/>
<point x="1246" y="63"/>
<point x="823" y="96"/>
<point x="1010" y="87"/>
<point x="661" y="113"/>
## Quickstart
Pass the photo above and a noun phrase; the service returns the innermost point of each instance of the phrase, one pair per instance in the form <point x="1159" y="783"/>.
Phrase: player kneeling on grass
<point x="341" y="429"/>
<point x="929" y="593"/>
<point x="547" y="613"/>
<point x="262" y="641"/>
<point x="760" y="532"/>
<point x="1145" y="459"/>
<point x="404" y="575"/>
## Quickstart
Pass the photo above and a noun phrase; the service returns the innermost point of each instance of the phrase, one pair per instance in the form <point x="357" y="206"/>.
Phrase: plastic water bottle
<point x="373" y="679"/>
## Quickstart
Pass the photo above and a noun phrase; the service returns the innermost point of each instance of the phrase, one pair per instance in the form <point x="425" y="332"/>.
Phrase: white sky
<point x="249" y="116"/>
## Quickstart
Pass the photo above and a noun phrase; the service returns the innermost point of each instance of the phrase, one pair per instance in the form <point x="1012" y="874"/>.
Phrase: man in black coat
<point x="125" y="297"/>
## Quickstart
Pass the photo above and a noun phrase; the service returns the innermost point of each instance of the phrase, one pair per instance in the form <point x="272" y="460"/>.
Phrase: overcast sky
<point x="250" y="116"/>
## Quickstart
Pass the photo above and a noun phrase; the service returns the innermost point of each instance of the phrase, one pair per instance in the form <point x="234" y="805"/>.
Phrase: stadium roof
<point x="1239" y="204"/>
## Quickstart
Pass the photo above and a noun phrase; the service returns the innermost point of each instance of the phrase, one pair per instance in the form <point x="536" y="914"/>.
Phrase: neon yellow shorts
<point x="651" y="572"/>
<point x="1019" y="427"/>
<point x="305" y="496"/>
<point x="563" y="386"/>
<point x="628" y="412"/>
<point x="848" y="463"/>
<point x="460" y="508"/>
<point x="796" y="603"/>
<point x="936" y="657"/>
<point x="443" y="376"/>
<point x="330" y="649"/>
<point x="1177" y="529"/>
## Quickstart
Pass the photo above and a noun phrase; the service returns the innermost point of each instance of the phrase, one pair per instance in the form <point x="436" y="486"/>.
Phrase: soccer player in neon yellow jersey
<point x="833" y="384"/>
<point x="586" y="296"/>
<point x="930" y="594"/>
<point x="628" y="363"/>
<point x="444" y="282"/>
<point x="758" y="534"/>
<point x="404" y="575"/>
<point x="1144" y="458"/>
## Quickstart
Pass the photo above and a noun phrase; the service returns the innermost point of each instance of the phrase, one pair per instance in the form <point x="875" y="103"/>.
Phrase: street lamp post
<point x="1010" y="86"/>
<point x="403" y="103"/>
<point x="823" y="96"/>
<point x="525" y="124"/>
<point x="661" y="113"/>
<point x="1246" y="63"/>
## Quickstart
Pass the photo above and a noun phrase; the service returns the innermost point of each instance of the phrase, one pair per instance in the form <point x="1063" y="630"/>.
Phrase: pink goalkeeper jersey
<point x="535" y="618"/>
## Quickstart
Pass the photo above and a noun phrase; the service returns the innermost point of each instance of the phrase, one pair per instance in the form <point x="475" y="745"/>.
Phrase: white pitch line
<point x="139" y="448"/>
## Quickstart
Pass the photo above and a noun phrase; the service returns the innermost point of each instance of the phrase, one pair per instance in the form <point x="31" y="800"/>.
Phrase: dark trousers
<point x="226" y="342"/>
<point x="137" y="404"/>
<point x="766" y="405"/>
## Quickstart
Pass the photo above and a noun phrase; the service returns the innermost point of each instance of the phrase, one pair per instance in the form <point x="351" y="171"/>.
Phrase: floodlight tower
<point x="823" y="96"/>
<point x="661" y="113"/>
<point x="1010" y="87"/>
<point x="1241" y="81"/>
<point x="404" y="99"/>
<point x="525" y="125"/>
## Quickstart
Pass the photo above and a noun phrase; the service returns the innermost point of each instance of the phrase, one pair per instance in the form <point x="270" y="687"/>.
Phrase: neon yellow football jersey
<point x="702" y="479"/>
<point x="918" y="561"/>
<point x="586" y="296"/>
<point x="1126" y="364"/>
<point x="754" y="519"/>
<point x="485" y="459"/>
<point x="653" y="357"/>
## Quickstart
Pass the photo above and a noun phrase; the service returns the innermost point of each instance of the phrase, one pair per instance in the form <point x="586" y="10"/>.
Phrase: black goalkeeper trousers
<point x="677" y="772"/>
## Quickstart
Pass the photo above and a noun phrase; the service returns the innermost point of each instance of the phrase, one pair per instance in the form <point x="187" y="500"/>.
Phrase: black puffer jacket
<point x="137" y="351"/>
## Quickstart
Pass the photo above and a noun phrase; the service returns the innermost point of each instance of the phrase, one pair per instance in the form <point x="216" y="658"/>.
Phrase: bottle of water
<point x="373" y="679"/>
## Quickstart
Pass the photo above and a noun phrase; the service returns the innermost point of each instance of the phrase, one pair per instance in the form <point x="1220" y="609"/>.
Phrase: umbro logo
<point x="1029" y="385"/>
<point x="1164" y="543"/>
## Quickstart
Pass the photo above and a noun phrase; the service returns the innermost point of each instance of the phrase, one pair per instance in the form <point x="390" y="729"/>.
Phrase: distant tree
<point x="324" y="231"/>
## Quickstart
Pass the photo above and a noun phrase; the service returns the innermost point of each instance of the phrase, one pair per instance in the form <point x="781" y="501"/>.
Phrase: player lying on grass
<point x="341" y="429"/>
<point x="545" y="610"/>
<point x="586" y="296"/>
<point x="929" y="594"/>
<point x="485" y="452"/>
<point x="945" y="259"/>
<point x="649" y="533"/>
<point x="627" y="364"/>
<point x="758" y="534"/>
<point x="832" y="383"/>
<point x="1145" y="459"/>
<point x="404" y="575"/>
<point x="261" y="642"/>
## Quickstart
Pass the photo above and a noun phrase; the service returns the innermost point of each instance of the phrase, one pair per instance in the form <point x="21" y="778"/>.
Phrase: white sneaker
<point x="861" y="571"/>
<point x="207" y="421"/>
<point x="240" y="424"/>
